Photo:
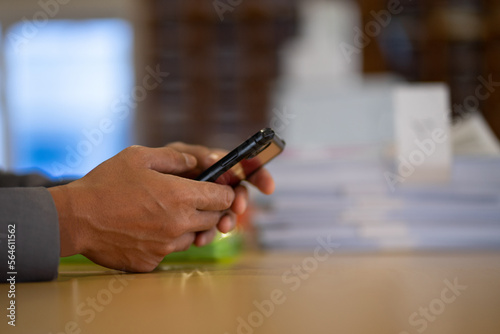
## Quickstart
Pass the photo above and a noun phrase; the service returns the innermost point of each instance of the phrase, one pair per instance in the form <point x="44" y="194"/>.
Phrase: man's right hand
<point x="132" y="210"/>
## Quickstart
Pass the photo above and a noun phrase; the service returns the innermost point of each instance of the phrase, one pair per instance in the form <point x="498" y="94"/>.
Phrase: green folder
<point x="225" y="247"/>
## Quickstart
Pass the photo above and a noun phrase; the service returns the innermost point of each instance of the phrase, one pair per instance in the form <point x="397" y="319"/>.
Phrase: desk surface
<point x="271" y="293"/>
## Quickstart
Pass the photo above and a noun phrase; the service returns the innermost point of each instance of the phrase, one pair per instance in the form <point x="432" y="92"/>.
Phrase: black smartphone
<point x="246" y="159"/>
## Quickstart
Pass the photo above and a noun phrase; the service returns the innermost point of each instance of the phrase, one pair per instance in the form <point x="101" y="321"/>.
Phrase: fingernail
<point x="244" y="208"/>
<point x="190" y="160"/>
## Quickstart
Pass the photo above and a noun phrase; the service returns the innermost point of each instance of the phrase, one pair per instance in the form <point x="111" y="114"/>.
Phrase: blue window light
<point x="66" y="88"/>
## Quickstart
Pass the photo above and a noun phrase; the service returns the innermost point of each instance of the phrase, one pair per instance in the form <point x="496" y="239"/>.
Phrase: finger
<point x="202" y="221"/>
<point x="197" y="150"/>
<point x="208" y="196"/>
<point x="240" y="200"/>
<point x="205" y="237"/>
<point x="164" y="159"/>
<point x="263" y="180"/>
<point x="183" y="242"/>
<point x="227" y="223"/>
<point x="205" y="156"/>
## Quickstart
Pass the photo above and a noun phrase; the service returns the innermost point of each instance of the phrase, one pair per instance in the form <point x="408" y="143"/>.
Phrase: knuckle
<point x="176" y="145"/>
<point x="215" y="195"/>
<point x="179" y="228"/>
<point x="143" y="265"/>
<point x="137" y="152"/>
<point x="173" y="153"/>
<point x="177" y="231"/>
<point x="205" y="198"/>
<point x="228" y="198"/>
<point x="134" y="149"/>
<point x="167" y="248"/>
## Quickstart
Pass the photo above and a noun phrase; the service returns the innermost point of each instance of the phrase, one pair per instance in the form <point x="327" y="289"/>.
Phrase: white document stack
<point x="351" y="203"/>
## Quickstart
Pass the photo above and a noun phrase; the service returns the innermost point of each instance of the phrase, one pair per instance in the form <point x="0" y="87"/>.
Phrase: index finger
<point x="208" y="196"/>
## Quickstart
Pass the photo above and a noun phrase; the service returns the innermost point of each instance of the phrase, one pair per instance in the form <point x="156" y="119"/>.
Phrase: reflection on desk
<point x="315" y="292"/>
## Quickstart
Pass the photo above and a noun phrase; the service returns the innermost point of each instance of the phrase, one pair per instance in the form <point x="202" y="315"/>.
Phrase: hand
<point x="206" y="157"/>
<point x="132" y="210"/>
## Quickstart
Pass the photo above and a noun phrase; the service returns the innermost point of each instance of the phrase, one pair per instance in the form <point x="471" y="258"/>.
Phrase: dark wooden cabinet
<point x="222" y="63"/>
<point x="452" y="41"/>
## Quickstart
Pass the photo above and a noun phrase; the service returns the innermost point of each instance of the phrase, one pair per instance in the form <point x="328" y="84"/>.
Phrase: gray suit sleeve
<point x="33" y="214"/>
<point x="9" y="180"/>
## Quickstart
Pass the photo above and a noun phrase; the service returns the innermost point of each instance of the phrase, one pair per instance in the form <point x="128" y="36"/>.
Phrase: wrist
<point x="68" y="224"/>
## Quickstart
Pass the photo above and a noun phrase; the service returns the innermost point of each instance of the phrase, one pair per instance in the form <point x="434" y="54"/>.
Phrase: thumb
<point x="167" y="160"/>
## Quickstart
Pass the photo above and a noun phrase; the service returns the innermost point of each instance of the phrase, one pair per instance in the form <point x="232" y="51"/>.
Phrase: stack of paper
<point x="351" y="203"/>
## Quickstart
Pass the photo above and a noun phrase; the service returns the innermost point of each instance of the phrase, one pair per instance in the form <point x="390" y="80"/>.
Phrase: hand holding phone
<point x="246" y="159"/>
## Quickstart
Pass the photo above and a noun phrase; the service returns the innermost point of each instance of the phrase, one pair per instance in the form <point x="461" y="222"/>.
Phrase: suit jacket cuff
<point x="37" y="246"/>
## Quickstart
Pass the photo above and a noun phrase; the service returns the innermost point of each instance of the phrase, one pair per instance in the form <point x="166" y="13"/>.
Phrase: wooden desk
<point x="388" y="294"/>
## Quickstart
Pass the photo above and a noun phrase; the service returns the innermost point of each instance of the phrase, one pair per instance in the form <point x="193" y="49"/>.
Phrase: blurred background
<point x="81" y="80"/>
<point x="68" y="65"/>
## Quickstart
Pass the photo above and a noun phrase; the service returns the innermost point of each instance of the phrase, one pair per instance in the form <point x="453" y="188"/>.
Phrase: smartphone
<point x="246" y="159"/>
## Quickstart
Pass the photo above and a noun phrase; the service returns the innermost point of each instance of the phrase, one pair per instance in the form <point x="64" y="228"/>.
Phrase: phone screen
<point x="245" y="168"/>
